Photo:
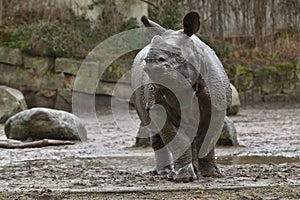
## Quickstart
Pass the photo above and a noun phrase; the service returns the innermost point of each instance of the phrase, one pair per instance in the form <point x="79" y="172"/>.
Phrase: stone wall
<point x="44" y="81"/>
<point x="279" y="83"/>
<point x="48" y="82"/>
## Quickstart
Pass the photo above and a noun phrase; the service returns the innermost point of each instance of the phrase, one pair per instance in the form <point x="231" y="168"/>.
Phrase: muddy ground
<point x="265" y="166"/>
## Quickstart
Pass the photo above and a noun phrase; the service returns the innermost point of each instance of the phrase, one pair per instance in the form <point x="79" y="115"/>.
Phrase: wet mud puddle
<point x="238" y="160"/>
<point x="146" y="163"/>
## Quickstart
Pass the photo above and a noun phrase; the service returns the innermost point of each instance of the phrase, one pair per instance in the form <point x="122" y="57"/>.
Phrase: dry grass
<point x="285" y="48"/>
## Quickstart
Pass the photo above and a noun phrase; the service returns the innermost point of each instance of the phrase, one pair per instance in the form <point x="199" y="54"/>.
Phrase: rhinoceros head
<point x="171" y="53"/>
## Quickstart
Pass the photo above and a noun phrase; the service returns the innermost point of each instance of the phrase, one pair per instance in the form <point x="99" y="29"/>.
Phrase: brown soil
<point x="265" y="166"/>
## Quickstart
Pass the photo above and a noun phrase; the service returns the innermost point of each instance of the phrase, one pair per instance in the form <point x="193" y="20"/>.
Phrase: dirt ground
<point x="265" y="166"/>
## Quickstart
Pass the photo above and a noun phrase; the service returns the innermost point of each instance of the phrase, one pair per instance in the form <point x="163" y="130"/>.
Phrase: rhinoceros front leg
<point x="180" y="147"/>
<point x="162" y="156"/>
<point x="172" y="140"/>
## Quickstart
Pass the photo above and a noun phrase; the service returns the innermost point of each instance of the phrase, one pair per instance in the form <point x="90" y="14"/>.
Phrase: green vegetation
<point x="287" y="32"/>
<point x="223" y="49"/>
<point x="168" y="14"/>
<point x="277" y="74"/>
<point x="286" y="69"/>
<point x="114" y="72"/>
<point x="49" y="39"/>
<point x="73" y="38"/>
<point x="241" y="76"/>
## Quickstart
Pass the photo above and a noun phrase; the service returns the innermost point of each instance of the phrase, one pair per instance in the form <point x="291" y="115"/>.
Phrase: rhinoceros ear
<point x="148" y="23"/>
<point x="191" y="23"/>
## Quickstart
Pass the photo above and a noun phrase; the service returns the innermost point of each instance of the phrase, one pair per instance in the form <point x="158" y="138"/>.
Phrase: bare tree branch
<point x="34" y="144"/>
<point x="150" y="3"/>
<point x="1" y="11"/>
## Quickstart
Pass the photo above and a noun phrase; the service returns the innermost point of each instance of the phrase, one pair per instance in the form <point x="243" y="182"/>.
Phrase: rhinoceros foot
<point x="184" y="174"/>
<point x="165" y="171"/>
<point x="209" y="169"/>
<point x="162" y="172"/>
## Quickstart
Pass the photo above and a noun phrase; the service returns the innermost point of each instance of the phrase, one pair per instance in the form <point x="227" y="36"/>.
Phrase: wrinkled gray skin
<point x="179" y="130"/>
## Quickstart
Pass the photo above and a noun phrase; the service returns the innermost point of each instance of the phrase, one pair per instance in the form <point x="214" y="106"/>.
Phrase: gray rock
<point x="88" y="77"/>
<point x="120" y="90"/>
<point x="298" y="67"/>
<point x="67" y="65"/>
<point x="12" y="101"/>
<point x="236" y="104"/>
<point x="10" y="56"/>
<point x="64" y="100"/>
<point x="228" y="136"/>
<point x="49" y="81"/>
<point x="39" y="64"/>
<point x="273" y="98"/>
<point x="45" y="98"/>
<point x="12" y="76"/>
<point x="44" y="123"/>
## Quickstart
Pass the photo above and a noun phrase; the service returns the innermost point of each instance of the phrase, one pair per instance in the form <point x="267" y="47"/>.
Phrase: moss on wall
<point x="243" y="78"/>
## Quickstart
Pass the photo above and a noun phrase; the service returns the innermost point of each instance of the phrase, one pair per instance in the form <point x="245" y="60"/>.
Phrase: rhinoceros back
<point x="219" y="90"/>
<point x="214" y="75"/>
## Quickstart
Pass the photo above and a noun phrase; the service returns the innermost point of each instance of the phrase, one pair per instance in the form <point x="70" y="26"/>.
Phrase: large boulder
<point x="44" y="123"/>
<point x="228" y="136"/>
<point x="12" y="101"/>
<point x="236" y="104"/>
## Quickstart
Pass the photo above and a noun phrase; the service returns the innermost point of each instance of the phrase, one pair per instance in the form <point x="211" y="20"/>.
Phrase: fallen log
<point x="34" y="144"/>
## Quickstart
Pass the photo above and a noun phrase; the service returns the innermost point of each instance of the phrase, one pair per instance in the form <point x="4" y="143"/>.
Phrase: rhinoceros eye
<point x="161" y="59"/>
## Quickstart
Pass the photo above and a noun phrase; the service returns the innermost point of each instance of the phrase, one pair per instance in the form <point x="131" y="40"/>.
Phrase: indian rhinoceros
<point x="181" y="94"/>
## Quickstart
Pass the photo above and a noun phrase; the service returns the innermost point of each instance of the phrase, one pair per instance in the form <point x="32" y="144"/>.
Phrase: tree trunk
<point x="259" y="22"/>
<point x="1" y="11"/>
<point x="220" y="19"/>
